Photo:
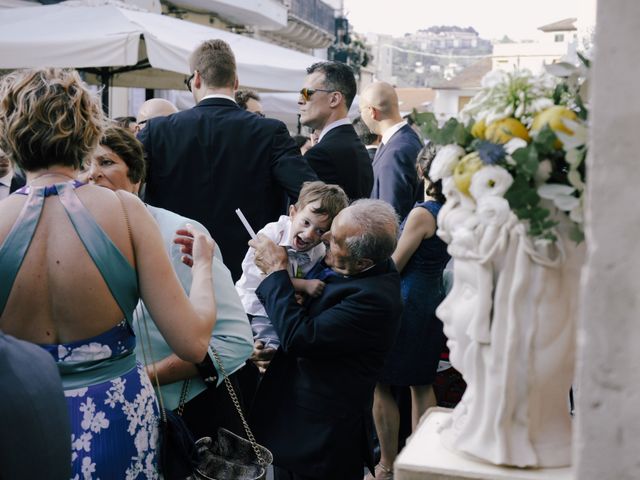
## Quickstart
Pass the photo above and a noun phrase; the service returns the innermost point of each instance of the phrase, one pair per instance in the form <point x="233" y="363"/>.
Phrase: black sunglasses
<point x="307" y="92"/>
<point x="187" y="81"/>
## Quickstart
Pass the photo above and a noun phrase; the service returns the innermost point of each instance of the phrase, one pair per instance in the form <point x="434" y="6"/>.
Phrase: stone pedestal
<point x="425" y="458"/>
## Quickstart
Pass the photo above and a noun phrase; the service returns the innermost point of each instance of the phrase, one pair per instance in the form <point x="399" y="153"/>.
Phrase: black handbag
<point x="225" y="457"/>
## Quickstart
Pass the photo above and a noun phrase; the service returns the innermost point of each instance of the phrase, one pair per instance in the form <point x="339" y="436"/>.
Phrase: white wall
<point x="608" y="409"/>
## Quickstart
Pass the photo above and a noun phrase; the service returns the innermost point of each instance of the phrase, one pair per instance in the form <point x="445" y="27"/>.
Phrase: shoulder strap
<point x="17" y="242"/>
<point x="117" y="272"/>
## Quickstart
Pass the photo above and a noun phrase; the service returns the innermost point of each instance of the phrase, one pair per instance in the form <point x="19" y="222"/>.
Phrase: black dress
<point x="413" y="360"/>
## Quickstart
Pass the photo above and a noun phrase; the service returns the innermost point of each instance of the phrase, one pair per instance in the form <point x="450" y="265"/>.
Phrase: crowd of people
<point x="124" y="264"/>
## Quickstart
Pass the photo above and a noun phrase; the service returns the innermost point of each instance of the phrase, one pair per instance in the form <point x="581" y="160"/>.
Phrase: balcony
<point x="262" y="14"/>
<point x="310" y="25"/>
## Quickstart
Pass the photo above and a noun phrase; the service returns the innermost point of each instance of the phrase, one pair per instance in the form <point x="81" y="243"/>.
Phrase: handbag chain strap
<point x="236" y="403"/>
<point x="163" y="413"/>
<point x="185" y="385"/>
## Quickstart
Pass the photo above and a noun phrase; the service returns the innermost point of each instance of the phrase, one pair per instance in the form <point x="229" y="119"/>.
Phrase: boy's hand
<point x="262" y="356"/>
<point x="314" y="288"/>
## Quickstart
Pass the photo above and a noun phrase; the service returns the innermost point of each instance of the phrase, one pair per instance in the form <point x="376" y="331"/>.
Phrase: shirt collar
<point x="391" y="131"/>
<point x="6" y="180"/>
<point x="219" y="95"/>
<point x="332" y="125"/>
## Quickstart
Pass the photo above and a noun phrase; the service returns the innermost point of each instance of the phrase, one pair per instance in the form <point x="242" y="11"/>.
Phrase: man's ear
<point x="364" y="263"/>
<point x="336" y="99"/>
<point x="236" y="83"/>
<point x="197" y="79"/>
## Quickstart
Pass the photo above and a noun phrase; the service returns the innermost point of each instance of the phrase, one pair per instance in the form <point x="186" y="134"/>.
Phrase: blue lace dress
<point x="413" y="360"/>
<point x="112" y="405"/>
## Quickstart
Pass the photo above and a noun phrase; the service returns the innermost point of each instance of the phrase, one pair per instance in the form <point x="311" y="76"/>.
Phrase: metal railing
<point x="316" y="12"/>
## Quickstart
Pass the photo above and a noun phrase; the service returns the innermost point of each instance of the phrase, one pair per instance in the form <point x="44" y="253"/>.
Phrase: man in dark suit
<point x="339" y="156"/>
<point x="394" y="166"/>
<point x="10" y="179"/>
<point x="215" y="157"/>
<point x="313" y="406"/>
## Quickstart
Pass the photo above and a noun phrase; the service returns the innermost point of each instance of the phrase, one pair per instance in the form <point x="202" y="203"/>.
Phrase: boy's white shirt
<point x="251" y="277"/>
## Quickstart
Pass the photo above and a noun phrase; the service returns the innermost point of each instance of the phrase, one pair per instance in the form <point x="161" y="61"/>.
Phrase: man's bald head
<point x="383" y="97"/>
<point x="379" y="107"/>
<point x="156" y="107"/>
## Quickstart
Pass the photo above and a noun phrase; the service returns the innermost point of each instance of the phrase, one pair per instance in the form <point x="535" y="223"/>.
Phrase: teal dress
<point x="111" y="403"/>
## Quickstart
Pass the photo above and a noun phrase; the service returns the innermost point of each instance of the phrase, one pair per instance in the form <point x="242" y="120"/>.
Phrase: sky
<point x="519" y="19"/>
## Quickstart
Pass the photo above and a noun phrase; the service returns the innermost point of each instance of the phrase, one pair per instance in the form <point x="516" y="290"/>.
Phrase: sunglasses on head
<point x="307" y="92"/>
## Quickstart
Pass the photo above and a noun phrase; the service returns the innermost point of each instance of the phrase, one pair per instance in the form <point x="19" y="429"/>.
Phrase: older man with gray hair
<point x="313" y="406"/>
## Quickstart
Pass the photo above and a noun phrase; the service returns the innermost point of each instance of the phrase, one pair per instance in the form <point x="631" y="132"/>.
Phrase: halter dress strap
<point x="16" y="244"/>
<point x="118" y="274"/>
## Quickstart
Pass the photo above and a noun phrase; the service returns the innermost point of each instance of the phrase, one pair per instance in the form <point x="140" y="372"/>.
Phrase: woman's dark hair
<point x="124" y="144"/>
<point x="425" y="159"/>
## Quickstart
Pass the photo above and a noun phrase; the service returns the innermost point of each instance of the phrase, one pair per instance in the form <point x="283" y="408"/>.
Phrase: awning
<point x="134" y="48"/>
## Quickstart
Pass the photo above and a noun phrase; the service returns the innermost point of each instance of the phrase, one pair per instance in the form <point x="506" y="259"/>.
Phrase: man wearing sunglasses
<point x="211" y="159"/>
<point x="339" y="156"/>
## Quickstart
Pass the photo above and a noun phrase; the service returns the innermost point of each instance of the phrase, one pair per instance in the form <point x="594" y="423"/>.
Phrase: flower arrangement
<point x="521" y="138"/>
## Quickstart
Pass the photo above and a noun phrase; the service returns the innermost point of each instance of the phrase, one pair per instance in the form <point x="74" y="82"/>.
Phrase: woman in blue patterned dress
<point x="420" y="258"/>
<point x="74" y="260"/>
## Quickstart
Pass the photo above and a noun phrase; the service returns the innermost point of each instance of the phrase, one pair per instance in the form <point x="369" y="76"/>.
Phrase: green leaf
<point x="576" y="234"/>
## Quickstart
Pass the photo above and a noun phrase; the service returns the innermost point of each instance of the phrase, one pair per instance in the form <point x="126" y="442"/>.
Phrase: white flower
<point x="561" y="195"/>
<point x="141" y="441"/>
<point x="83" y="442"/>
<point x="88" y="467"/>
<point x="575" y="179"/>
<point x="99" y="422"/>
<point x="444" y="163"/>
<point x="514" y="144"/>
<point x="493" y="78"/>
<point x="78" y="392"/>
<point x="490" y="180"/>
<point x="575" y="140"/>
<point x="544" y="172"/>
<point x="90" y="351"/>
<point x="493" y="210"/>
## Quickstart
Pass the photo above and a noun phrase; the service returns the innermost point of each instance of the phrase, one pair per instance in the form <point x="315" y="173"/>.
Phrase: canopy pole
<point x="105" y="77"/>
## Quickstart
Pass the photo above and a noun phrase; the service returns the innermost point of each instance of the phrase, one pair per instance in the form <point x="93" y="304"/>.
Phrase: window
<point x="559" y="37"/>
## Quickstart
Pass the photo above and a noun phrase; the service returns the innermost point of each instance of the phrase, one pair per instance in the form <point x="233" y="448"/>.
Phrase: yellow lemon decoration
<point x="501" y="131"/>
<point x="478" y="129"/>
<point x="553" y="117"/>
<point x="462" y="173"/>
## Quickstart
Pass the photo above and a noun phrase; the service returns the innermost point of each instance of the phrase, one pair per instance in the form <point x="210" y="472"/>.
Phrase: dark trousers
<point x="282" y="474"/>
<point x="214" y="408"/>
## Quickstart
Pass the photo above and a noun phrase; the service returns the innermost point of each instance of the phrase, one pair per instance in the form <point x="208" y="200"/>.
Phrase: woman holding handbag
<point x="74" y="261"/>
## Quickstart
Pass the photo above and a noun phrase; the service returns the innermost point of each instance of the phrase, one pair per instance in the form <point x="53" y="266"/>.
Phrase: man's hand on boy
<point x="314" y="288"/>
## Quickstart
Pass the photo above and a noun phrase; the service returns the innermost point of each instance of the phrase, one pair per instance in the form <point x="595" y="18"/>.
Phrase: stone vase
<point x="510" y="320"/>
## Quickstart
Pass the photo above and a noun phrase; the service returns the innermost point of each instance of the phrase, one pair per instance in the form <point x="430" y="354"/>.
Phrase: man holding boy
<point x="313" y="406"/>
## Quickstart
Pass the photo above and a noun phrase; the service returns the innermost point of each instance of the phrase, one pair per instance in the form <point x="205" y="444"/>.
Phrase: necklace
<point x="52" y="174"/>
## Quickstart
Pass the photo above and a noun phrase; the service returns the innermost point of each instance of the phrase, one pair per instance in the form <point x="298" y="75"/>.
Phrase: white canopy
<point x="140" y="49"/>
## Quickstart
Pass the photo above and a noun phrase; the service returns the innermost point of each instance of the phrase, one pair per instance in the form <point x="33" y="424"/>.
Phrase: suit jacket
<point x="341" y="158"/>
<point x="394" y="169"/>
<point x="313" y="406"/>
<point x="215" y="157"/>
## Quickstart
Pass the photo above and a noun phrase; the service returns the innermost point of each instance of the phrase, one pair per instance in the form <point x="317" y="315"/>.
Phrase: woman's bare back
<point x="59" y="296"/>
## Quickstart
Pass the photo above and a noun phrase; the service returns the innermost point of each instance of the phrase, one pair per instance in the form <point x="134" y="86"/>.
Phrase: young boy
<point x="301" y="233"/>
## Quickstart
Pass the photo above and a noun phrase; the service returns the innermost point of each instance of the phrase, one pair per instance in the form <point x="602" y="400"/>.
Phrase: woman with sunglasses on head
<point x="74" y="261"/>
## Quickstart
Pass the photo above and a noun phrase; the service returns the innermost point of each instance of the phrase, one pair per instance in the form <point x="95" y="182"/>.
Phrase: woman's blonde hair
<point x="48" y="117"/>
